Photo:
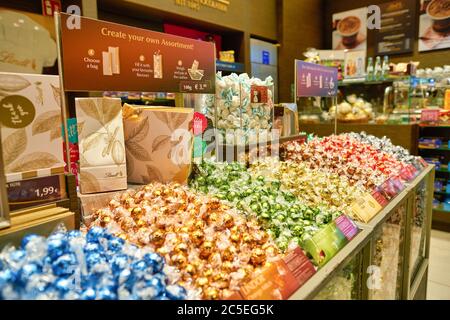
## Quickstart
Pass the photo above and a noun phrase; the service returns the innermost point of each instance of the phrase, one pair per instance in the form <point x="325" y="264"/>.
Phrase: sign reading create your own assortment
<point x="314" y="80"/>
<point x="104" y="56"/>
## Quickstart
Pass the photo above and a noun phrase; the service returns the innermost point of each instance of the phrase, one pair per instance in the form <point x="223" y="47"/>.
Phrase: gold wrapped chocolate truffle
<point x="197" y="237"/>
<point x="228" y="220"/>
<point x="157" y="238"/>
<point x="211" y="293"/>
<point x="179" y="260"/>
<point x="206" y="249"/>
<point x="258" y="257"/>
<point x="202" y="281"/>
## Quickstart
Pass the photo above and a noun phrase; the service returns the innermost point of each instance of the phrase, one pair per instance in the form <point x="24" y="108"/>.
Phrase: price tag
<point x="423" y="162"/>
<point x="408" y="173"/>
<point x="329" y="240"/>
<point x="380" y="198"/>
<point x="37" y="191"/>
<point x="280" y="279"/>
<point x="398" y="184"/>
<point x="430" y="115"/>
<point x="366" y="208"/>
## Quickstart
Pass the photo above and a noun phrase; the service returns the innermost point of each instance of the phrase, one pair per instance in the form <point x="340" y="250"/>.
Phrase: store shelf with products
<point x="433" y="147"/>
<point x="405" y="135"/>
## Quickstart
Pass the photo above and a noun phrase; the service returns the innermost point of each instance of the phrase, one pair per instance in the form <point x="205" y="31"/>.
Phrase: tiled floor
<point x="439" y="273"/>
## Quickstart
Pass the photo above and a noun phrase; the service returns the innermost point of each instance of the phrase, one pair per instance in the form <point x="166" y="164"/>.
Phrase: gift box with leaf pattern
<point x="31" y="126"/>
<point x="101" y="145"/>
<point x="158" y="143"/>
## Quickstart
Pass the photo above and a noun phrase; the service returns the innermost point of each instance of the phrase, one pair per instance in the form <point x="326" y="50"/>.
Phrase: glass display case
<point x="345" y="284"/>
<point x="391" y="101"/>
<point x="387" y="258"/>
<point x="418" y="228"/>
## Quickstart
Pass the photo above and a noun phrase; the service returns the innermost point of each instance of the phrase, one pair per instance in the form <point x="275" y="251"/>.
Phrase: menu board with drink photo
<point x="434" y="25"/>
<point x="350" y="30"/>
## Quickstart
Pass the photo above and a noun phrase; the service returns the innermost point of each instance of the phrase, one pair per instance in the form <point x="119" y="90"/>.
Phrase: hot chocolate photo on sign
<point x="350" y="30"/>
<point x="434" y="25"/>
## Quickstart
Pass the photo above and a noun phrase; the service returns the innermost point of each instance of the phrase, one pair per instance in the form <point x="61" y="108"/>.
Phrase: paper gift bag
<point x="101" y="145"/>
<point x="31" y="126"/>
<point x="158" y="143"/>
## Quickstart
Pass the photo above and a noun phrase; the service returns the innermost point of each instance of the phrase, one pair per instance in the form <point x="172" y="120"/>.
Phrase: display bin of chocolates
<point x="244" y="108"/>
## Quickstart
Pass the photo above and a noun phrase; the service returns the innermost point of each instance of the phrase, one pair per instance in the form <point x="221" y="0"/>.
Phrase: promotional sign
<point x="104" y="56"/>
<point x="398" y="27"/>
<point x="313" y="80"/>
<point x="328" y="241"/>
<point x="37" y="191"/>
<point x="429" y="115"/>
<point x="280" y="279"/>
<point x="434" y="25"/>
<point x="366" y="207"/>
<point x="350" y="30"/>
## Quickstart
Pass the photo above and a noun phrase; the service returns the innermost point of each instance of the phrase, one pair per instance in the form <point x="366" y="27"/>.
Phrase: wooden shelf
<point x="437" y="149"/>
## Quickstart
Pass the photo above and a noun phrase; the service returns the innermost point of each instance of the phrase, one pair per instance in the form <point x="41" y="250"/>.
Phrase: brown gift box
<point x="158" y="143"/>
<point x="101" y="145"/>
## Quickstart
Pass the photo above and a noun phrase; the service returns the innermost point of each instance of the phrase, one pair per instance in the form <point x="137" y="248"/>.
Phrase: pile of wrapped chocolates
<point x="314" y="187"/>
<point x="361" y="163"/>
<point x="214" y="248"/>
<point x="285" y="218"/>
<point x="385" y="144"/>
<point x="74" y="266"/>
<point x="239" y="111"/>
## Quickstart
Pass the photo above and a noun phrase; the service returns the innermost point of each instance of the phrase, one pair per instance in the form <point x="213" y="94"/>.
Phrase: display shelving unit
<point x="441" y="216"/>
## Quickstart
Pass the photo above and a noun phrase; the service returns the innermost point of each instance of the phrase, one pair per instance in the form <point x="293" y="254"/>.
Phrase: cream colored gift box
<point x="158" y="143"/>
<point x="101" y="145"/>
<point x="31" y="130"/>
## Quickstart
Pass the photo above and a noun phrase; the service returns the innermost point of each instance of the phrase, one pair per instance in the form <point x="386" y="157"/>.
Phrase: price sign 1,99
<point x="37" y="191"/>
<point x="46" y="191"/>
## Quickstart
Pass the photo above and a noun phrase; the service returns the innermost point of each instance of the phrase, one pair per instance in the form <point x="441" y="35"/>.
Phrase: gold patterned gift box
<point x="158" y="143"/>
<point x="101" y="145"/>
<point x="31" y="131"/>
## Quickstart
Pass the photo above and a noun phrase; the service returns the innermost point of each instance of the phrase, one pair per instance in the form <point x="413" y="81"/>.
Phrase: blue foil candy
<point x="73" y="266"/>
<point x="119" y="262"/>
<point x="74" y="234"/>
<point x="92" y="247"/>
<point x="156" y="260"/>
<point x="17" y="256"/>
<point x="63" y="286"/>
<point x="115" y="244"/>
<point x="27" y="239"/>
<point x="175" y="292"/>
<point x="106" y="294"/>
<point x="56" y="247"/>
<point x="65" y="265"/>
<point x="88" y="294"/>
<point x="27" y="271"/>
<point x="94" y="234"/>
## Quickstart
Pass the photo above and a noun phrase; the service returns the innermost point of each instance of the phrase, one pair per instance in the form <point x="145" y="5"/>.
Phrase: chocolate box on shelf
<point x="101" y="145"/>
<point x="31" y="125"/>
<point x="158" y="143"/>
